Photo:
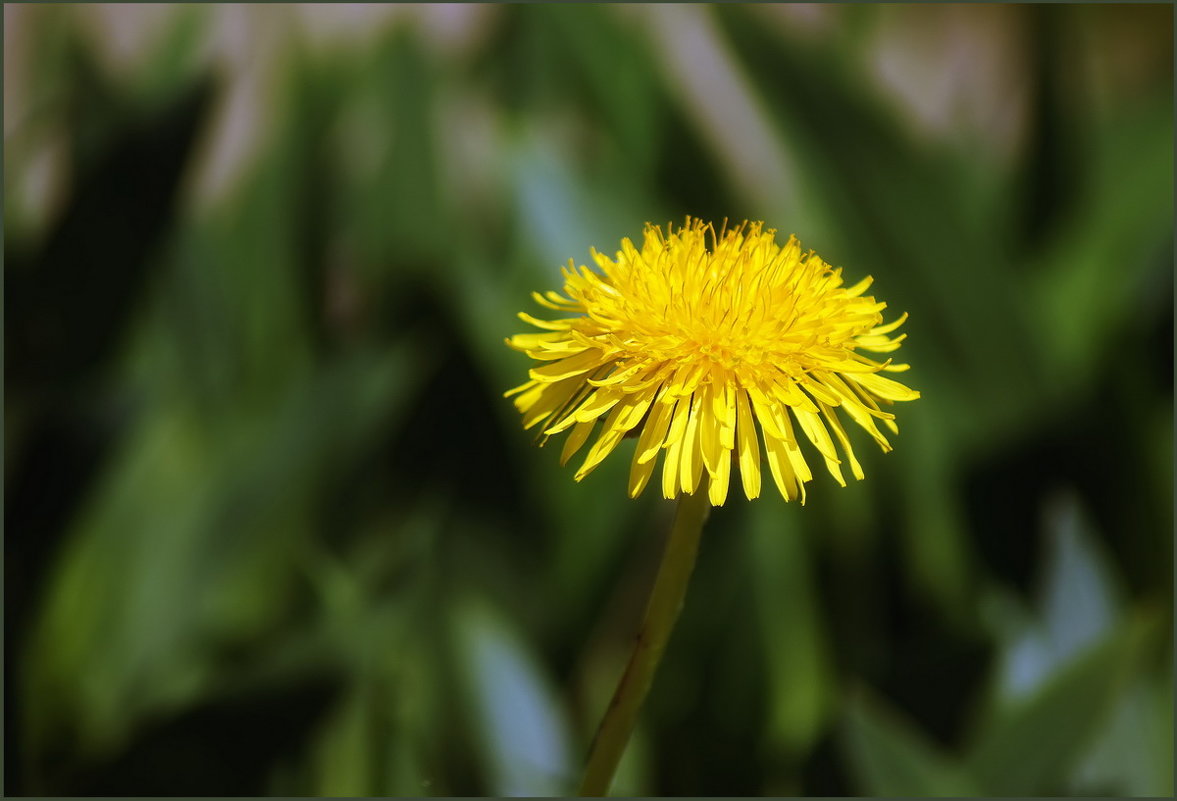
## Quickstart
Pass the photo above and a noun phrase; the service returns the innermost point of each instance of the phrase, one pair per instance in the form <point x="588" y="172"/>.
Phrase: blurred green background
<point x="272" y="529"/>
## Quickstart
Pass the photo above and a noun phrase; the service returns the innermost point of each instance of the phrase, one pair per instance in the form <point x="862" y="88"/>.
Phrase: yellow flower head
<point x="694" y="348"/>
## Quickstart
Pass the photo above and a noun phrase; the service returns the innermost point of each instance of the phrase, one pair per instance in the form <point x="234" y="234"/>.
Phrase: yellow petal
<point x="550" y="325"/>
<point x="548" y="399"/>
<point x="765" y="411"/>
<point x="635" y="409"/>
<point x="553" y="301"/>
<point x="566" y="368"/>
<point x="749" y="450"/>
<point x="678" y="425"/>
<point x="552" y="353"/>
<point x="653" y="378"/>
<point x="884" y="387"/>
<point x="860" y="287"/>
<point x="889" y="327"/>
<point x="527" y="342"/>
<point x="654" y="432"/>
<point x="786" y="391"/>
<point x="816" y="433"/>
<point x="639" y="474"/>
<point x="832" y="417"/>
<point x="596" y="405"/>
<point x="526" y="400"/>
<point x="880" y="344"/>
<point x="820" y="392"/>
<point x="580" y="432"/>
<point x="691" y="469"/>
<point x="725" y="413"/>
<point x="780" y="467"/>
<point x="793" y="451"/>
<point x="694" y="377"/>
<point x="604" y="445"/>
<point x="670" y="465"/>
<point x="709" y="427"/>
<point x="521" y="388"/>
<point x="717" y="488"/>
<point x="618" y="376"/>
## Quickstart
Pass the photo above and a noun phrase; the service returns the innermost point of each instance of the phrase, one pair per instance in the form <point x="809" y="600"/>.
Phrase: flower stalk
<point x="662" y="610"/>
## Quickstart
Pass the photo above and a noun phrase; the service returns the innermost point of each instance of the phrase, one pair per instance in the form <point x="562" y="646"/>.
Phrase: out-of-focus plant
<point x="271" y="529"/>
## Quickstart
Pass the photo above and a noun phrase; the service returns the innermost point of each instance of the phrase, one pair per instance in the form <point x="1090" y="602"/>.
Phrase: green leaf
<point x="344" y="758"/>
<point x="1062" y="667"/>
<point x="1078" y="604"/>
<point x="890" y="757"/>
<point x="613" y="66"/>
<point x="1028" y="747"/>
<point x="185" y="546"/>
<point x="791" y="626"/>
<point x="404" y="215"/>
<point x="1133" y="754"/>
<point x="515" y="713"/>
<point x="1109" y="258"/>
<point x="935" y="531"/>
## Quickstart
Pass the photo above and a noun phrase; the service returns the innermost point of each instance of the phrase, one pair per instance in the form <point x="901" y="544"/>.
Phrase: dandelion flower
<point x="703" y="346"/>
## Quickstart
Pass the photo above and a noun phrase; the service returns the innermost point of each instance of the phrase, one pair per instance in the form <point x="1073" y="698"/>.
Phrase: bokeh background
<point x="272" y="529"/>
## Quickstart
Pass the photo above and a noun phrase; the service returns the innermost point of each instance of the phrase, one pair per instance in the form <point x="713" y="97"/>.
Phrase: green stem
<point x="666" y="600"/>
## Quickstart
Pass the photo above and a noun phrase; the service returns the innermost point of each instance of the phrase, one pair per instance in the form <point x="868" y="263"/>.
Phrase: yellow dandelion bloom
<point x="701" y="345"/>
